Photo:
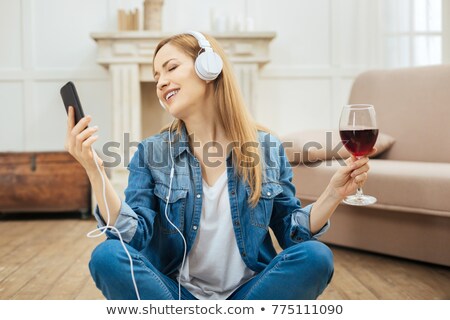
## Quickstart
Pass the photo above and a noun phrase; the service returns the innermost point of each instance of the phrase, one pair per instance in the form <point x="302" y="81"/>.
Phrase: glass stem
<point x="359" y="192"/>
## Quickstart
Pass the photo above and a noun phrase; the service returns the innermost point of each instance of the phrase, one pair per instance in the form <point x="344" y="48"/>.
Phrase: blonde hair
<point x="232" y="112"/>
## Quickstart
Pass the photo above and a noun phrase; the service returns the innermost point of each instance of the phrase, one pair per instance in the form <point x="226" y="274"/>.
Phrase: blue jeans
<point x="301" y="271"/>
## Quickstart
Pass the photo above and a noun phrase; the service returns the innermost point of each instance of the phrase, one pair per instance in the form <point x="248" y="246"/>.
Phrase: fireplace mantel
<point x="138" y="46"/>
<point x="129" y="56"/>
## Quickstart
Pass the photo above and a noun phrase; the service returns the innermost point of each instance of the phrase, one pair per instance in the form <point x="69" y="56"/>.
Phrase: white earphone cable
<point x="95" y="234"/>
<point x="172" y="171"/>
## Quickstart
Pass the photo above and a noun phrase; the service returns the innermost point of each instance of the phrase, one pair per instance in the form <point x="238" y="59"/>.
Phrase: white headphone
<point x="208" y="64"/>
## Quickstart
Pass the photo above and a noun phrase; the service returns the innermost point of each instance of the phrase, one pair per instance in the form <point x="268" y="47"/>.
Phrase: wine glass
<point x="358" y="130"/>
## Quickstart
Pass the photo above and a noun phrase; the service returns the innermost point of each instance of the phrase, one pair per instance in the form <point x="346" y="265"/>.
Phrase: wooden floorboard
<point x="47" y="258"/>
<point x="51" y="265"/>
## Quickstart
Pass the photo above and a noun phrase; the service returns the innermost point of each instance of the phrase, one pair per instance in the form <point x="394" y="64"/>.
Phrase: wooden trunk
<point x="43" y="182"/>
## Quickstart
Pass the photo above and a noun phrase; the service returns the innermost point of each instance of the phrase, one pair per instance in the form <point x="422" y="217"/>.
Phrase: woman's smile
<point x="171" y="94"/>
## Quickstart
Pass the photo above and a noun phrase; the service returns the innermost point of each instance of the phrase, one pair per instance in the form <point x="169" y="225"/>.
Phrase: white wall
<point x="45" y="43"/>
<point x="320" y="46"/>
<point x="319" y="50"/>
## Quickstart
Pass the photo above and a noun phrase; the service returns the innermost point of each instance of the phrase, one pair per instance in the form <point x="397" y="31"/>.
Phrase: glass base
<point x="360" y="200"/>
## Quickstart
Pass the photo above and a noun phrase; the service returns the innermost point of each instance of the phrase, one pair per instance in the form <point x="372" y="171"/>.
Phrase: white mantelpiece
<point x="129" y="56"/>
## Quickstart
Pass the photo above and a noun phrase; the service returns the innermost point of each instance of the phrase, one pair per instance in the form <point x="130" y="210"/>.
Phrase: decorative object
<point x="152" y="14"/>
<point x="128" y="20"/>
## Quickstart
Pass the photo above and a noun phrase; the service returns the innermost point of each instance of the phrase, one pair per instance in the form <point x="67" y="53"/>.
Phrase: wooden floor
<point x="46" y="258"/>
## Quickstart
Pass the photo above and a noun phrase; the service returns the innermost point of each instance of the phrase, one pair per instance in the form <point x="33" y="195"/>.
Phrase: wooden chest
<point x="43" y="182"/>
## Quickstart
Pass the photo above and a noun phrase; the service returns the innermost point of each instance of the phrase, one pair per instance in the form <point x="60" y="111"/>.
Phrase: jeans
<point x="301" y="271"/>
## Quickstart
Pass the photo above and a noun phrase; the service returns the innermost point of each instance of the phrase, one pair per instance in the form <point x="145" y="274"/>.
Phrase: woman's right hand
<point x="79" y="139"/>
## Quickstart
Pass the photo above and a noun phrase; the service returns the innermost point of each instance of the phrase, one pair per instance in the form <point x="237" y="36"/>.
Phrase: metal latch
<point x="33" y="162"/>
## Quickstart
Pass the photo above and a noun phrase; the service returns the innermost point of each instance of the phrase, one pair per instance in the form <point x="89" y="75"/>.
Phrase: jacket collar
<point x="180" y="142"/>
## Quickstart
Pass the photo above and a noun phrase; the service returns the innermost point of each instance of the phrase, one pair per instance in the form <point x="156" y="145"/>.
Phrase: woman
<point x="196" y="226"/>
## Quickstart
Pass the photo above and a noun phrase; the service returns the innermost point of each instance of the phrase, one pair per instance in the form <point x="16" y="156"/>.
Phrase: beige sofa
<point x="411" y="180"/>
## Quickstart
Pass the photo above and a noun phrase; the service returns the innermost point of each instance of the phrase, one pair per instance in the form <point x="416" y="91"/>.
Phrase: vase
<point x="152" y="14"/>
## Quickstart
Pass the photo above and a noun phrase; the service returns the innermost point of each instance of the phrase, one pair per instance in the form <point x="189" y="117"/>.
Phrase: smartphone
<point x="70" y="98"/>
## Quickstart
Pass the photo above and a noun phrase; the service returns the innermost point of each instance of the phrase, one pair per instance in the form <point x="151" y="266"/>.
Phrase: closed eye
<point x="173" y="68"/>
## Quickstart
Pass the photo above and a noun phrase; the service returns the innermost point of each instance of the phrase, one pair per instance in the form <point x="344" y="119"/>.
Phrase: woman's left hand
<point x="351" y="176"/>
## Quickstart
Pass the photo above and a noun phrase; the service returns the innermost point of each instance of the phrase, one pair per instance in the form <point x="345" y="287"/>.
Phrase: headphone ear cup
<point x="208" y="65"/>
<point x="162" y="104"/>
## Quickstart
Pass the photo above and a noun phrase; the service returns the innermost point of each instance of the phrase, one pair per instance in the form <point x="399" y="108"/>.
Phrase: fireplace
<point x="135" y="107"/>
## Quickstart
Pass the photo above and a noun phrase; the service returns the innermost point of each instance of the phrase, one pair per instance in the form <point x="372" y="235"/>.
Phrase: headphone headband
<point x="202" y="42"/>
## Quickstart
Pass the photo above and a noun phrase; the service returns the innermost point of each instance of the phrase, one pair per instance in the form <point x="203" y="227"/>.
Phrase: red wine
<point x="359" y="142"/>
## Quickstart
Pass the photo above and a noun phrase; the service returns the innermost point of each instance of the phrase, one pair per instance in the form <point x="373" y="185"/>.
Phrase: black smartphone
<point x="70" y="98"/>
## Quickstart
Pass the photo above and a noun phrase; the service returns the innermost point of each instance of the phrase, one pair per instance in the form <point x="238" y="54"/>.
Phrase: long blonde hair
<point x="233" y="115"/>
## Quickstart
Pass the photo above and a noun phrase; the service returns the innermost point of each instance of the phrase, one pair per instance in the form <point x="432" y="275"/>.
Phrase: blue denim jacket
<point x="142" y="220"/>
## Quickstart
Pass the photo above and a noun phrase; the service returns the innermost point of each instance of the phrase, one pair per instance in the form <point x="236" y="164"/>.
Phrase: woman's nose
<point x="162" y="83"/>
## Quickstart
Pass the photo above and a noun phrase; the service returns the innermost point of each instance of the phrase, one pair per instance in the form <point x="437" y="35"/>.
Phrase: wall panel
<point x="11" y="116"/>
<point x="61" y="33"/>
<point x="292" y="105"/>
<point x="10" y="35"/>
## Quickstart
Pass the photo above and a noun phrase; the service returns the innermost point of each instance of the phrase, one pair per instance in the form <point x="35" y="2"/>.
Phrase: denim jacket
<point x="143" y="224"/>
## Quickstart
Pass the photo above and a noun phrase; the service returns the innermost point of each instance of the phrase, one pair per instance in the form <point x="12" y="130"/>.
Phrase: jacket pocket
<point x="260" y="215"/>
<point x="176" y="207"/>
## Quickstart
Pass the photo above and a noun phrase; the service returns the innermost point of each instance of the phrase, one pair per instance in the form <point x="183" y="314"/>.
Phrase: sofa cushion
<point x="315" y="145"/>
<point x="398" y="185"/>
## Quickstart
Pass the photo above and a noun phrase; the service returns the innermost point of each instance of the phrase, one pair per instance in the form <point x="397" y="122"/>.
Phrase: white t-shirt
<point x="214" y="268"/>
